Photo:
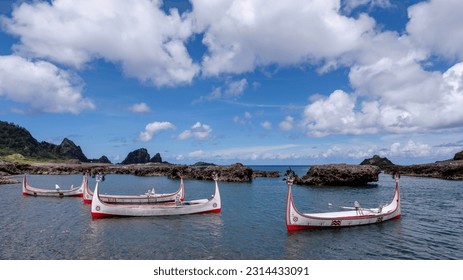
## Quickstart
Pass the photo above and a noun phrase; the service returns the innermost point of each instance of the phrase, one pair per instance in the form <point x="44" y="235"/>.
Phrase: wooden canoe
<point x="353" y="216"/>
<point x="57" y="192"/>
<point x="150" y="197"/>
<point x="101" y="209"/>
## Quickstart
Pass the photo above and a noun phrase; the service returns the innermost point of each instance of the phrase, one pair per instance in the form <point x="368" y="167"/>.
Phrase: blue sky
<point x="257" y="82"/>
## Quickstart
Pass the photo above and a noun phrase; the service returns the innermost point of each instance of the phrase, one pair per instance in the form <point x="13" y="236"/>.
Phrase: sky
<point x="224" y="81"/>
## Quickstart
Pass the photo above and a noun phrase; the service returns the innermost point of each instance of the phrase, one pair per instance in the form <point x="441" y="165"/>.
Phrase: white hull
<point x="148" y="198"/>
<point x="100" y="209"/>
<point x="296" y="220"/>
<point x="29" y="190"/>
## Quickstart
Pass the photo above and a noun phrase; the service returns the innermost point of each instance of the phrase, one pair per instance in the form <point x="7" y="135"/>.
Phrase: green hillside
<point x="15" y="139"/>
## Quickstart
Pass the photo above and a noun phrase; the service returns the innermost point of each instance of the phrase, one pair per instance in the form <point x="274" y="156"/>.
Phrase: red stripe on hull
<point x="87" y="201"/>
<point x="96" y="215"/>
<point x="396" y="217"/>
<point x="298" y="227"/>
<point x="213" y="211"/>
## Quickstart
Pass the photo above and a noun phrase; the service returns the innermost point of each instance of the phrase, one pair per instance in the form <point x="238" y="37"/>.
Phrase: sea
<point x="251" y="225"/>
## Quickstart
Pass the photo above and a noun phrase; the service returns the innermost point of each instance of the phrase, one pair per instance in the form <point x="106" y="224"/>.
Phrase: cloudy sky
<point x="251" y="81"/>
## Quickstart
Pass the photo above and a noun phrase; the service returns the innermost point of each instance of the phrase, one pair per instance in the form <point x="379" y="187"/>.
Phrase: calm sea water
<point x="250" y="226"/>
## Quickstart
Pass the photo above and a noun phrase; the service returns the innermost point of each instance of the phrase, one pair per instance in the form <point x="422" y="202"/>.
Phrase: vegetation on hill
<point x="16" y="140"/>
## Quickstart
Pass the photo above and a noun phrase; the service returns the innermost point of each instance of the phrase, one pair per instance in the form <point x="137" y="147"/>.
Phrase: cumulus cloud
<point x="153" y="129"/>
<point x="266" y="125"/>
<point x="140" y="108"/>
<point x="391" y="89"/>
<point x="287" y="124"/>
<point x="242" y="35"/>
<point x="401" y="99"/>
<point x="437" y="26"/>
<point x="198" y="131"/>
<point x="245" y="119"/>
<point x="148" y="43"/>
<point x="42" y="85"/>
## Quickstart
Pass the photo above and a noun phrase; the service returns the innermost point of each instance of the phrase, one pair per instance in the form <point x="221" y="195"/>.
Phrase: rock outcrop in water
<point x="340" y="175"/>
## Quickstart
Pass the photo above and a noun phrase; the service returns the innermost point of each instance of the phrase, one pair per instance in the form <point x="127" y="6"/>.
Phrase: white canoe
<point x="296" y="220"/>
<point x="149" y="197"/>
<point x="58" y="192"/>
<point x="101" y="209"/>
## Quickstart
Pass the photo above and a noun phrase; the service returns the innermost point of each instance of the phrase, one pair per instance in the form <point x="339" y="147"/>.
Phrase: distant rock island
<point x="141" y="156"/>
<point x="381" y="162"/>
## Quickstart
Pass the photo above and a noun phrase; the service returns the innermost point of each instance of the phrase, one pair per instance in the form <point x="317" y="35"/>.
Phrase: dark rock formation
<point x="102" y="159"/>
<point x="458" y="156"/>
<point x="377" y="161"/>
<point x="67" y="149"/>
<point x="340" y="175"/>
<point x="156" y="158"/>
<point x="137" y="156"/>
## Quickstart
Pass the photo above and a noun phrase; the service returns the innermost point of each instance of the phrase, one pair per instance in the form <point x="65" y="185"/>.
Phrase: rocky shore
<point x="230" y="173"/>
<point x="451" y="169"/>
<point x="447" y="170"/>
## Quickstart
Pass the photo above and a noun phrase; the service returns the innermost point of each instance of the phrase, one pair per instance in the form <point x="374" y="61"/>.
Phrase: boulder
<point x="340" y="175"/>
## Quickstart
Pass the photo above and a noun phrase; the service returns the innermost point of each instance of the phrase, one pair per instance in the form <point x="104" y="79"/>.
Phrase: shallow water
<point x="250" y="226"/>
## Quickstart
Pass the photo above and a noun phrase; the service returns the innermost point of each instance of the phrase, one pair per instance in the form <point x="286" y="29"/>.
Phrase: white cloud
<point x="245" y="119"/>
<point x="138" y="35"/>
<point x="335" y="115"/>
<point x="398" y="99"/>
<point x="41" y="85"/>
<point x="266" y="125"/>
<point x="140" y="108"/>
<point x="231" y="90"/>
<point x="242" y="35"/>
<point x="437" y="26"/>
<point x="287" y="124"/>
<point x="198" y="131"/>
<point x="154" y="128"/>
<point x="392" y="91"/>
<point x="349" y="5"/>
